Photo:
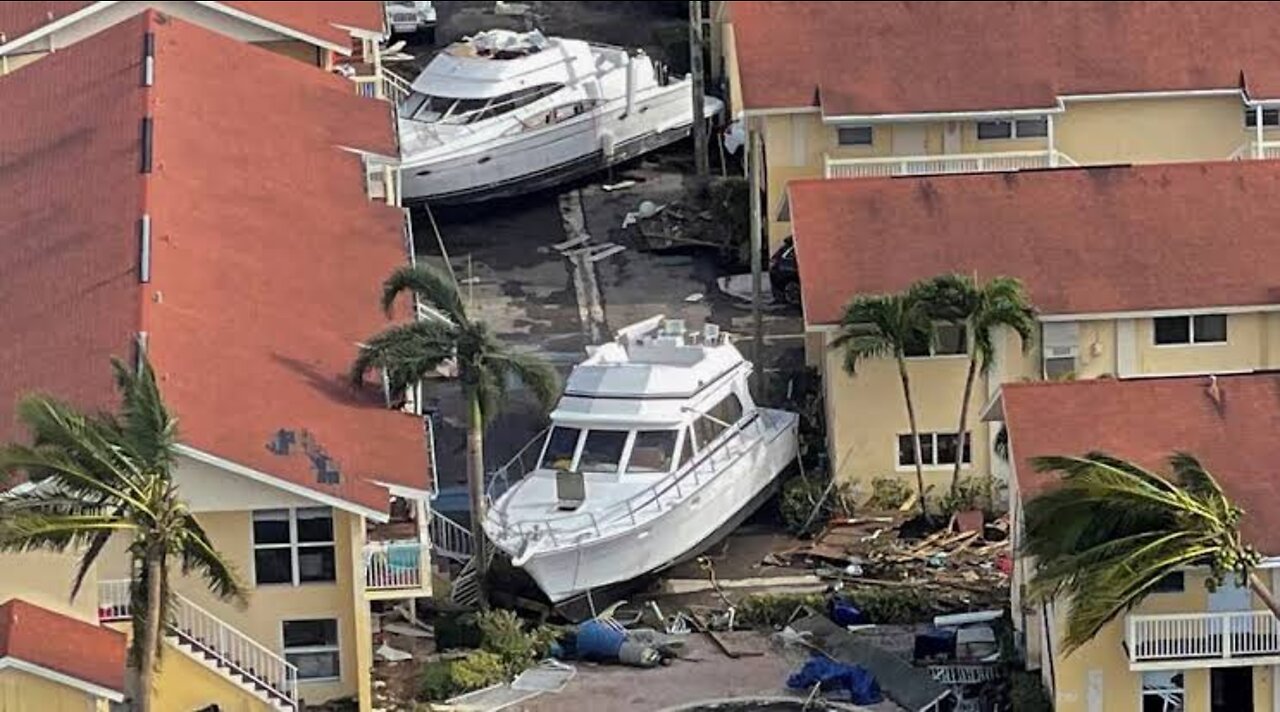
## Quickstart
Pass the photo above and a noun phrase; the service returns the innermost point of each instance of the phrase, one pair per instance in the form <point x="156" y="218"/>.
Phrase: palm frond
<point x="430" y="285"/>
<point x="148" y="430"/>
<point x="534" y="372"/>
<point x="406" y="352"/>
<point x="198" y="555"/>
<point x="882" y="325"/>
<point x="32" y="532"/>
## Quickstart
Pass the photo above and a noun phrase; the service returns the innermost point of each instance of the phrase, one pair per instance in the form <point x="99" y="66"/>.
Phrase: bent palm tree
<point x="1112" y="530"/>
<point x="408" y="353"/>
<point x="981" y="309"/>
<point x="886" y="325"/>
<point x="104" y="474"/>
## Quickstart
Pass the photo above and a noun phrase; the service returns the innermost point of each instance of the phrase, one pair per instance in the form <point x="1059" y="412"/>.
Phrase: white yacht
<point x="655" y="451"/>
<point x="503" y="113"/>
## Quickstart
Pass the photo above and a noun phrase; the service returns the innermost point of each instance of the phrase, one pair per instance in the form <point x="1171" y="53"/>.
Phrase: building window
<point x="936" y="449"/>
<point x="1199" y="329"/>
<point x="1036" y="127"/>
<point x="312" y="645"/>
<point x="719" y="418"/>
<point x="855" y="136"/>
<point x="1162" y="691"/>
<point x="949" y="339"/>
<point x="1270" y="117"/>
<point x="293" y="546"/>
<point x="1172" y="583"/>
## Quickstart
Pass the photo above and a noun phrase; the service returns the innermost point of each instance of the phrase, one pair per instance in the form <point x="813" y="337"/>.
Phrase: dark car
<point x="784" y="274"/>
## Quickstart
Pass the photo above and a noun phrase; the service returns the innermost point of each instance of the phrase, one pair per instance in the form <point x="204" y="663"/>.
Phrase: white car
<point x="406" y="18"/>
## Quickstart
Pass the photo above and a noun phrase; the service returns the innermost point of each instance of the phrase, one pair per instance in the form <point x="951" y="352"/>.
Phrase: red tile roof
<point x="1146" y="420"/>
<point x="315" y="19"/>
<point x="1088" y="240"/>
<point x="38" y="636"/>
<point x="911" y="57"/>
<point x="267" y="257"/>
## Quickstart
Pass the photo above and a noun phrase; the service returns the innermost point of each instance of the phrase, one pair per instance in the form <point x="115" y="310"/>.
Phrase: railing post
<point x="1226" y="635"/>
<point x="1130" y="636"/>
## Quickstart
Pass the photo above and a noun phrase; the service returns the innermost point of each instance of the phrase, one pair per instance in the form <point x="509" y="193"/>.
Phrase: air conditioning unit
<point x="1061" y="351"/>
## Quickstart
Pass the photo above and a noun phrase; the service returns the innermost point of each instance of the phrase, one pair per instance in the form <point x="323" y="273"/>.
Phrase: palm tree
<point x="886" y="325"/>
<point x="407" y="353"/>
<point x="981" y="309"/>
<point x="1112" y="530"/>
<point x="104" y="474"/>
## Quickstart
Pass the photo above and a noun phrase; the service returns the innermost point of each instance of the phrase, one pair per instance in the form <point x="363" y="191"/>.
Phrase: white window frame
<point x="336" y="648"/>
<point x="935" y="465"/>
<point x="933" y="347"/>
<point x="1143" y="693"/>
<point x="1013" y="128"/>
<point x="1250" y="114"/>
<point x="869" y="127"/>
<point x="1191" y="331"/>
<point x="293" y="545"/>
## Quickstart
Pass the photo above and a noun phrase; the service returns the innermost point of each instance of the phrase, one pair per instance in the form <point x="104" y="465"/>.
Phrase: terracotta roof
<point x="911" y="57"/>
<point x="267" y="257"/>
<point x="38" y="636"/>
<point x="315" y="19"/>
<point x="1146" y="420"/>
<point x="1086" y="240"/>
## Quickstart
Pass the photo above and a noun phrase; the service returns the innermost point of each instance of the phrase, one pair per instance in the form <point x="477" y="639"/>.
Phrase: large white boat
<point x="656" y="451"/>
<point x="504" y="113"/>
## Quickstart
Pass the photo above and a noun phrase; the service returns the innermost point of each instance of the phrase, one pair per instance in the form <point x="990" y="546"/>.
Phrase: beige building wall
<point x="24" y="692"/>
<point x="1151" y="130"/>
<point x="44" y="578"/>
<point x="268" y="606"/>
<point x="1245" y="349"/>
<point x="184" y="684"/>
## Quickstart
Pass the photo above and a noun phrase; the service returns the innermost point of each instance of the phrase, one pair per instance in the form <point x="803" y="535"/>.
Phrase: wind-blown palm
<point x="982" y="309"/>
<point x="104" y="474"/>
<point x="408" y="353"/>
<point x="884" y="326"/>
<point x="1111" y="530"/>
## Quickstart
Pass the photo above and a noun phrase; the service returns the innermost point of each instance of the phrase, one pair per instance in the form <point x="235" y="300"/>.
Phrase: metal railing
<point x="394" y="87"/>
<point x="647" y="504"/>
<point x="1191" y="636"/>
<point x="886" y="166"/>
<point x="523" y="462"/>
<point x="216" y="641"/>
<point x="393" y="564"/>
<point x="450" y="539"/>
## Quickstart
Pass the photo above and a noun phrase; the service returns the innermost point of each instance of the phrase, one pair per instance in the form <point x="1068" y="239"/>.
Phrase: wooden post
<point x="701" y="158"/>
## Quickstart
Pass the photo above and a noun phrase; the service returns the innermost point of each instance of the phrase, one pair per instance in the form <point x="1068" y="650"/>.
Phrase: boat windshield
<point x="602" y="451"/>
<point x="562" y="443"/>
<point x="454" y="110"/>
<point x="652" y="451"/>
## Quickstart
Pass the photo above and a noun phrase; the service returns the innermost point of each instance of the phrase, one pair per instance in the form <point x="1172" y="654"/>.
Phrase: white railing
<point x="367" y="86"/>
<point x="883" y="167"/>
<point x="647" y="504"/>
<point x="1204" y="636"/>
<point x="217" y="642"/>
<point x="394" y="87"/>
<point x="393" y="564"/>
<point x="382" y="181"/>
<point x="449" y="538"/>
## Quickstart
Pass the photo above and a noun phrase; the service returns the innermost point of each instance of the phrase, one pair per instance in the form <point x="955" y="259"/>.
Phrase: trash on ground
<point x="610" y="187"/>
<point x="392" y="655"/>
<point x="546" y="676"/>
<point x="830" y="675"/>
<point x="646" y="210"/>
<point x="695" y="297"/>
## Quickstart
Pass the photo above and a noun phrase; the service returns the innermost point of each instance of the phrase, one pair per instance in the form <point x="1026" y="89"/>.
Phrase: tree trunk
<point x="475" y="487"/>
<point x="701" y="156"/>
<point x="915" y="432"/>
<point x="1259" y="588"/>
<point x="964" y="420"/>
<point x="151" y="636"/>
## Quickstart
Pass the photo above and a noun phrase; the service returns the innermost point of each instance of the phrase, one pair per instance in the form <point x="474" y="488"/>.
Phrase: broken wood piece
<point x="701" y="625"/>
<point x="574" y="242"/>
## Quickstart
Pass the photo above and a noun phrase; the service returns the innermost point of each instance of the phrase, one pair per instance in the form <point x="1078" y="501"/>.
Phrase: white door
<point x="908" y="139"/>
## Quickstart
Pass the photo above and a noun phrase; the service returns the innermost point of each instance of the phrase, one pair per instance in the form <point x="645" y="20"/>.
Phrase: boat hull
<point x="675" y="535"/>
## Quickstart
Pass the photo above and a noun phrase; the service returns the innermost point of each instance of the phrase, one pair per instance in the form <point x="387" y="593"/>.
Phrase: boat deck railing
<point x="576" y="527"/>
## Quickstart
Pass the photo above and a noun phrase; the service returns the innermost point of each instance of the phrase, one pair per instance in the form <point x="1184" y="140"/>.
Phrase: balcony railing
<point x="1205" y="638"/>
<point x="394" y="564"/>
<point x="885" y="166"/>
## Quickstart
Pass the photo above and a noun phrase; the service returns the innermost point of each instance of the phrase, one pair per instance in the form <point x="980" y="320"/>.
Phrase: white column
<point x="1053" y="149"/>
<point x="1257" y="131"/>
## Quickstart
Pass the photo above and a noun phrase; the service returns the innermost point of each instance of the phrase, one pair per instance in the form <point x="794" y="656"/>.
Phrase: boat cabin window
<point x="452" y="110"/>
<point x="561" y="445"/>
<point x="721" y="416"/>
<point x="602" y="451"/>
<point x="652" y="451"/>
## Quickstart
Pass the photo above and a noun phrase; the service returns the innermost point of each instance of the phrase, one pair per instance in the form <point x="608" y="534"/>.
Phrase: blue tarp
<point x="834" y="675"/>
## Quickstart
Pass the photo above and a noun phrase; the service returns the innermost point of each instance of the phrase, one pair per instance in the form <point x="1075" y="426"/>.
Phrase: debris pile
<point x="962" y="566"/>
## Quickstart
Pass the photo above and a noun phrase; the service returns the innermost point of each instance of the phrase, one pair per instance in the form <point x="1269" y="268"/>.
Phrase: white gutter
<point x="52" y="27"/>
<point x="754" y="113"/>
<point x="275" y="27"/>
<point x="940" y="115"/>
<point x="291" y="487"/>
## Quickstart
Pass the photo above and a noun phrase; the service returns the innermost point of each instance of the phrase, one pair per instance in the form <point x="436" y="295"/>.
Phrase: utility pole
<point x="755" y="175"/>
<point x="700" y="154"/>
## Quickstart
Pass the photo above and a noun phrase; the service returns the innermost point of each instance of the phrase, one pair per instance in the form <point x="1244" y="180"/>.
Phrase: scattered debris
<point x="392" y="655"/>
<point x="677" y="587"/>
<point x="695" y="297"/>
<point x="647" y="210"/>
<point x="610" y="187"/>
<point x="546" y="676"/>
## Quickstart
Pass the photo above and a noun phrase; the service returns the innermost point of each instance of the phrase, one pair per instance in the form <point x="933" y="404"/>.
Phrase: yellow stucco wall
<point x="1245" y="348"/>
<point x="45" y="580"/>
<point x="184" y="684"/>
<point x="1105" y="654"/>
<point x="268" y="606"/>
<point x="1151" y="130"/>
<point x="868" y="412"/>
<point x="23" y="692"/>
